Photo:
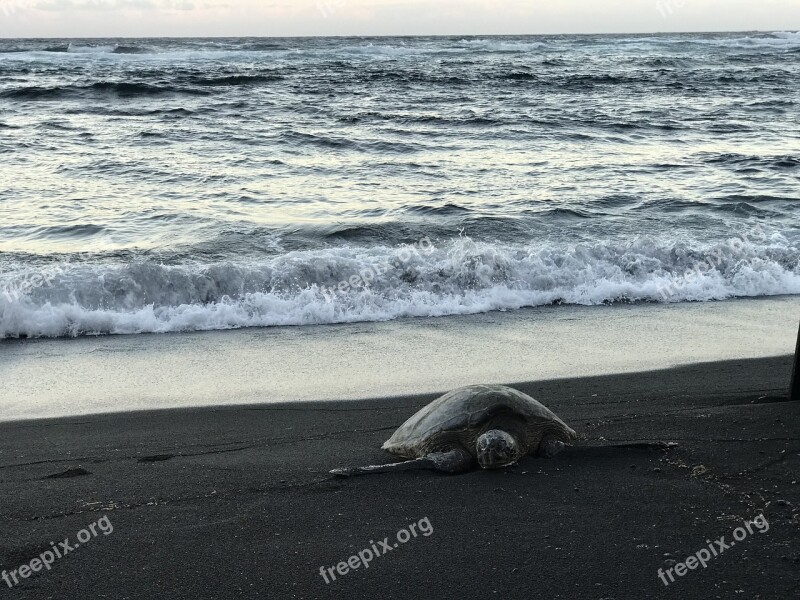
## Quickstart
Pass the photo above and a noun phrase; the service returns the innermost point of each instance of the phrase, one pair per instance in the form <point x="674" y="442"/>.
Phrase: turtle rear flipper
<point x="452" y="462"/>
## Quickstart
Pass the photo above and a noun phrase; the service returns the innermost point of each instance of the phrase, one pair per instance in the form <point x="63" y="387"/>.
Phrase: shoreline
<point x="59" y="377"/>
<point x="246" y="489"/>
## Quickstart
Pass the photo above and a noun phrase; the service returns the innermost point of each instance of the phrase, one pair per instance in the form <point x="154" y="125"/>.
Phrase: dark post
<point x="794" y="392"/>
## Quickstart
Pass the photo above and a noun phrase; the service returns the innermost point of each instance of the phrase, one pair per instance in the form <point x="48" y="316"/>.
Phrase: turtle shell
<point x="467" y="412"/>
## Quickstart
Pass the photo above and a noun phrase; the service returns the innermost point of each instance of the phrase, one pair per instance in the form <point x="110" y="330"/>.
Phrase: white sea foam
<point x="462" y="277"/>
<point x="503" y="45"/>
<point x="74" y="49"/>
<point x="382" y="50"/>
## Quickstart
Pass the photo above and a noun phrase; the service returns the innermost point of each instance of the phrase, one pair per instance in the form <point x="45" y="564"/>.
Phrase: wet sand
<point x="236" y="502"/>
<point x="48" y="378"/>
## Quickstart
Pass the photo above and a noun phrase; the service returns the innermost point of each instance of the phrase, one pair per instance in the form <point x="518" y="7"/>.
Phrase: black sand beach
<point x="236" y="502"/>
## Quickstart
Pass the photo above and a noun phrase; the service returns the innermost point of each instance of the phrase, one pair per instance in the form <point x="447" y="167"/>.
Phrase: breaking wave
<point x="328" y="286"/>
<point x="785" y="40"/>
<point x="106" y="49"/>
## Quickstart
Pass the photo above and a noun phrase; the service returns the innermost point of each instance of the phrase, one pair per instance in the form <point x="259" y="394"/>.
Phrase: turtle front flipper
<point x="452" y="462"/>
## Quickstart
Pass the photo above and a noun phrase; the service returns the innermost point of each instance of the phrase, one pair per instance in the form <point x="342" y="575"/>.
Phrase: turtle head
<point x="496" y="449"/>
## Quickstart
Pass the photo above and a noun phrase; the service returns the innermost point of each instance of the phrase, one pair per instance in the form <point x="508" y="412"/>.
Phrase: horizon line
<point x="437" y="35"/>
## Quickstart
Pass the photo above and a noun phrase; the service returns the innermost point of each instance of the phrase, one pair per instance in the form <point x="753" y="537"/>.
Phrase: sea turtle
<point x="491" y="425"/>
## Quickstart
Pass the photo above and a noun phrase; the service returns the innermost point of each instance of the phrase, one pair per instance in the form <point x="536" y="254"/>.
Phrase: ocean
<point x="160" y="185"/>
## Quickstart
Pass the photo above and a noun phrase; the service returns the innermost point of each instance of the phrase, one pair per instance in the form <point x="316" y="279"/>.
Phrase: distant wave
<point x="118" y="88"/>
<point x="90" y="49"/>
<point x="382" y="50"/>
<point x="744" y="161"/>
<point x="107" y="49"/>
<point x="232" y="80"/>
<point x="791" y="38"/>
<point x="263" y="46"/>
<point x="132" y="50"/>
<point x="196" y="83"/>
<point x="97" y="49"/>
<point x="775" y="40"/>
<point x="499" y="45"/>
<point x="460" y="277"/>
<point x="502" y="45"/>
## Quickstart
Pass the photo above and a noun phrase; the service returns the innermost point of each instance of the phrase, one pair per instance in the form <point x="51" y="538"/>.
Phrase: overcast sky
<point x="113" y="18"/>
